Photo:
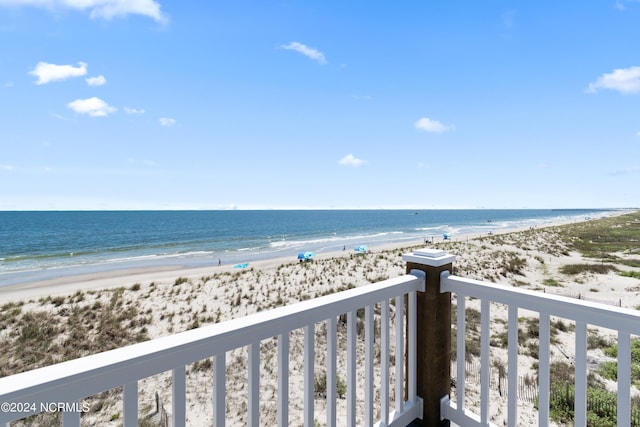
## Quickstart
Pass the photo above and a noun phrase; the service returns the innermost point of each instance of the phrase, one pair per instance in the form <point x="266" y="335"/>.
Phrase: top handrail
<point x="594" y="313"/>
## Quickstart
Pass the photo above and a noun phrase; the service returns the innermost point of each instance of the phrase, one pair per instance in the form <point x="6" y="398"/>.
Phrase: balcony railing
<point x="626" y="322"/>
<point x="74" y="380"/>
<point x="412" y="323"/>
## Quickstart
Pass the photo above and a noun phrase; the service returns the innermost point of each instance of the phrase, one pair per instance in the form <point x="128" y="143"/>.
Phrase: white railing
<point x="625" y="321"/>
<point x="72" y="381"/>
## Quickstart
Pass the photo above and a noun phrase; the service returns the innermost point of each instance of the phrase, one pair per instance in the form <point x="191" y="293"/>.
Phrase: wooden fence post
<point x="433" y="348"/>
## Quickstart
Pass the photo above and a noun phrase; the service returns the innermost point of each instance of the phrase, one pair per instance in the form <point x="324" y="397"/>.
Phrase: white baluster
<point x="219" y="387"/>
<point x="331" y="372"/>
<point x="283" y="380"/>
<point x="309" y="356"/>
<point x="543" y="369"/>
<point x="254" y="384"/>
<point x="384" y="361"/>
<point x="179" y="396"/>
<point x="130" y="403"/>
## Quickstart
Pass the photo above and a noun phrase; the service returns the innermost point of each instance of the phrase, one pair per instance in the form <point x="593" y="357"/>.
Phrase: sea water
<point x="38" y="245"/>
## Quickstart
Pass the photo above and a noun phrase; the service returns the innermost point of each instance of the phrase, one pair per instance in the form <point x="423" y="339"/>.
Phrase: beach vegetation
<point x="609" y="369"/>
<point x="78" y="297"/>
<point x="180" y="280"/>
<point x="595" y="340"/>
<point x="58" y="301"/>
<point x="561" y="326"/>
<point x="551" y="282"/>
<point x="9" y="313"/>
<point x="519" y="283"/>
<point x="634" y="274"/>
<point x="378" y="278"/>
<point x="513" y="264"/>
<point x="320" y="386"/>
<point x="472" y="335"/>
<point x="572" y="269"/>
<point x="204" y="365"/>
<point x="601" y="403"/>
<point x="600" y="239"/>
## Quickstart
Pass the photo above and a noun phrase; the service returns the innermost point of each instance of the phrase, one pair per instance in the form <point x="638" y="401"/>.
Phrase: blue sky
<point x="319" y="104"/>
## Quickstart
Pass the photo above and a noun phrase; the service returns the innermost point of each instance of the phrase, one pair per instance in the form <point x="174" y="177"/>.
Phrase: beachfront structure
<point x="415" y="385"/>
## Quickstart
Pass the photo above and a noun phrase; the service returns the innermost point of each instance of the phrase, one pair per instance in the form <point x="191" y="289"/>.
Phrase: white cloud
<point x="106" y="9"/>
<point x="619" y="172"/>
<point x="620" y="4"/>
<point x="167" y="121"/>
<point x="47" y="73"/>
<point x="624" y="80"/>
<point x="429" y="125"/>
<point x="94" y="107"/>
<point x="58" y="116"/>
<point x="96" y="81"/>
<point x="129" y="110"/>
<point x="508" y="19"/>
<point x="307" y="51"/>
<point x="350" y="160"/>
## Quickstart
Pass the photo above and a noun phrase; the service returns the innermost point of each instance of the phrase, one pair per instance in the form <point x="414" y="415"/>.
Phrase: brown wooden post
<point x="433" y="332"/>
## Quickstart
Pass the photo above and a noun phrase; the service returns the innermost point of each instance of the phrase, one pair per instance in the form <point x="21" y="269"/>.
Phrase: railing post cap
<point x="429" y="257"/>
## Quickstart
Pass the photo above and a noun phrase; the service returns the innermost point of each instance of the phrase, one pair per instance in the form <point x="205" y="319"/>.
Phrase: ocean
<point x="39" y="245"/>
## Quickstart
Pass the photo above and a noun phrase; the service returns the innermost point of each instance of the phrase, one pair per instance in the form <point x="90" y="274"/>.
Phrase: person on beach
<point x="219" y="262"/>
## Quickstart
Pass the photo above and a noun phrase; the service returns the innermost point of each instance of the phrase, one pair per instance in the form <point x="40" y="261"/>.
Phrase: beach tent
<point x="446" y="236"/>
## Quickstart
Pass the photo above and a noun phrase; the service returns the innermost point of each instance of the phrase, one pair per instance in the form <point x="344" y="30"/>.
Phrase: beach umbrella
<point x="306" y="255"/>
<point x="361" y="248"/>
<point x="446" y="236"/>
<point x="243" y="265"/>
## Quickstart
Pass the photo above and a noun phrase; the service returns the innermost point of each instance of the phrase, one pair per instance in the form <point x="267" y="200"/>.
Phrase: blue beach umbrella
<point x="361" y="248"/>
<point x="243" y="265"/>
<point x="306" y="255"/>
<point x="446" y="236"/>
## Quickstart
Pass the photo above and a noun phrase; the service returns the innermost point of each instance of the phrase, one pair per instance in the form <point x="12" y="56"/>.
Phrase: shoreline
<point x="123" y="277"/>
<point x="199" y="256"/>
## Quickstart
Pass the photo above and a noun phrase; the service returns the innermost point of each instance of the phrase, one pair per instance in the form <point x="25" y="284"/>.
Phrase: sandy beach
<point x="71" y="283"/>
<point x="162" y="301"/>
